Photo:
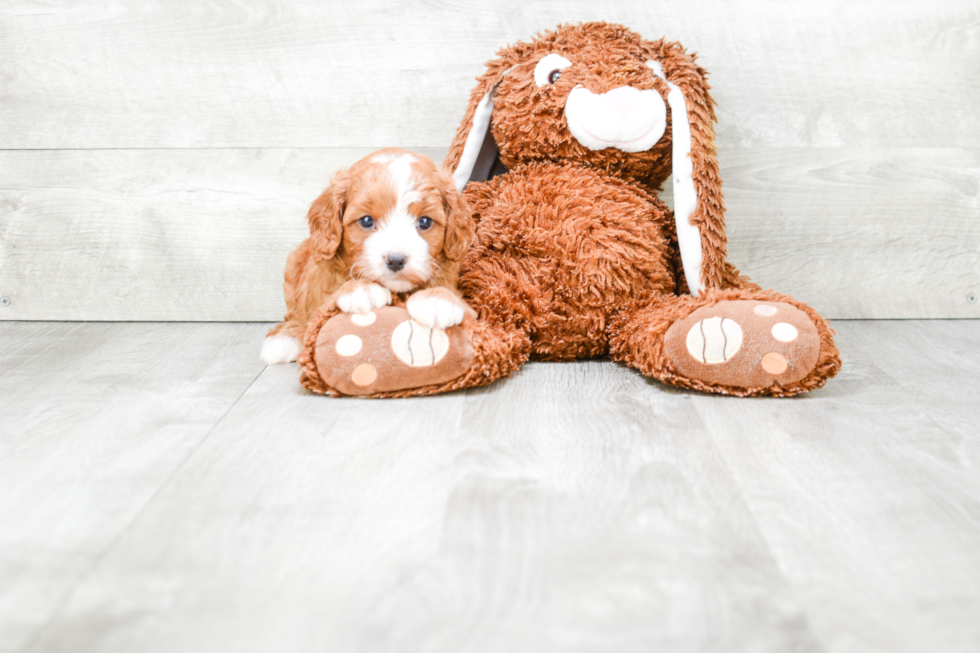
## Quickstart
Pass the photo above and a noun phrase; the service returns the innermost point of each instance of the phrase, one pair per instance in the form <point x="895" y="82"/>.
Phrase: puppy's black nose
<point x="395" y="262"/>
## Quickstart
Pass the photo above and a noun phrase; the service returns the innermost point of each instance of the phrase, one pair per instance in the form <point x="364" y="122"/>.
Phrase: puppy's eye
<point x="424" y="223"/>
<point x="548" y="70"/>
<point x="367" y="222"/>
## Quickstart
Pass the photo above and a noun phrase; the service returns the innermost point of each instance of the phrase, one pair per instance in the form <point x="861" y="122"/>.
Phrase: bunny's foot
<point x="744" y="344"/>
<point x="754" y="344"/>
<point x="387" y="353"/>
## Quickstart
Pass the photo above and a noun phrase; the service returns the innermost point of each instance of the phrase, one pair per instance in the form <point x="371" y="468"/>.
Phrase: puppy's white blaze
<point x="397" y="234"/>
<point x="280" y="348"/>
<point x="685" y="196"/>
<point x="403" y="181"/>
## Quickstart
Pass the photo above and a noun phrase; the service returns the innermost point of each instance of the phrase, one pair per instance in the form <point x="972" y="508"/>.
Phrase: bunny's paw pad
<point x="385" y="350"/>
<point x="744" y="344"/>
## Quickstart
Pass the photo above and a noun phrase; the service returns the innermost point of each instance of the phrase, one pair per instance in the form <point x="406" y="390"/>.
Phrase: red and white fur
<point x="391" y="223"/>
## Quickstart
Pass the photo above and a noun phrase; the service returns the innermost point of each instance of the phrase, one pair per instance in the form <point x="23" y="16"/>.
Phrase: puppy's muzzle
<point x="395" y="261"/>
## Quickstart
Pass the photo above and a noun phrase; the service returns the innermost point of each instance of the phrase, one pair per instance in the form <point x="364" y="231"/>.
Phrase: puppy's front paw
<point x="434" y="311"/>
<point x="363" y="298"/>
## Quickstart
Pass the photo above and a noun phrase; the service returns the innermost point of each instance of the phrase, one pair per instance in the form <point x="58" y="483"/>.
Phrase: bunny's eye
<point x="549" y="69"/>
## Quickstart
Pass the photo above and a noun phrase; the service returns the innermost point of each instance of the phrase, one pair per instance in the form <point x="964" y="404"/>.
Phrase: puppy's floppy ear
<point x="474" y="155"/>
<point x="326" y="217"/>
<point x="699" y="208"/>
<point x="460" y="227"/>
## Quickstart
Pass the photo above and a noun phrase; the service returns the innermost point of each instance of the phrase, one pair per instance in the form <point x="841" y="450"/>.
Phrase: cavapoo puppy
<point x="391" y="223"/>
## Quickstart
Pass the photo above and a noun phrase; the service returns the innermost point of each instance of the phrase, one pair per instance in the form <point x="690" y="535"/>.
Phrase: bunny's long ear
<point x="474" y="155"/>
<point x="699" y="208"/>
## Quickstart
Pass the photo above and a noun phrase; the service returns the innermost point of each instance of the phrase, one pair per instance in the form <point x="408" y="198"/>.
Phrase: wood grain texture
<point x="847" y="137"/>
<point x="204" y="234"/>
<point x="868" y="492"/>
<point x="859" y="232"/>
<point x="265" y="73"/>
<point x="589" y="511"/>
<point x="923" y="358"/>
<point x="574" y="508"/>
<point x="95" y="418"/>
<point x="155" y="235"/>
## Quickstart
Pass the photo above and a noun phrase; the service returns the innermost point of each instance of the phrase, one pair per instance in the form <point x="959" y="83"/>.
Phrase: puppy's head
<point x="393" y="218"/>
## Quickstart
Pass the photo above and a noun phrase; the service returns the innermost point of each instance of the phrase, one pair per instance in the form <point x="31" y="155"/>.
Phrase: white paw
<point x="280" y="348"/>
<point x="364" y="298"/>
<point x="435" y="312"/>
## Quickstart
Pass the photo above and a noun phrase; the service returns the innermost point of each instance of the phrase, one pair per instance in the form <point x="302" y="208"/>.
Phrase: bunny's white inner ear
<point x="685" y="197"/>
<point x="474" y="141"/>
<point x="480" y="158"/>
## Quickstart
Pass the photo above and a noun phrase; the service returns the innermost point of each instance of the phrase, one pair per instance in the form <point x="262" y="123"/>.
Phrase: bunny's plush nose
<point x="625" y="118"/>
<point x="622" y="100"/>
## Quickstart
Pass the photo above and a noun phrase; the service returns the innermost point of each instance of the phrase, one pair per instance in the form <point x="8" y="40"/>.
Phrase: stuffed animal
<point x="561" y="152"/>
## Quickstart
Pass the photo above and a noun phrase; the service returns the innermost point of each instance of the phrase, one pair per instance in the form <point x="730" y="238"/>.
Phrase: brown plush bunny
<point x="562" y="149"/>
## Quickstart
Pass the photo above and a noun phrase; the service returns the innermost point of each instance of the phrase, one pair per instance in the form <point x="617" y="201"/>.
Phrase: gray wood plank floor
<point x="161" y="491"/>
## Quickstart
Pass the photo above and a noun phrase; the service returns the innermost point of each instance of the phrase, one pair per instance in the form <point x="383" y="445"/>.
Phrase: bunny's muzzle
<point x="625" y="118"/>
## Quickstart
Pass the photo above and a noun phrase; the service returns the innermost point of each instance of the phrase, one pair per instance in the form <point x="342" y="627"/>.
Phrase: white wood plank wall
<point x="157" y="157"/>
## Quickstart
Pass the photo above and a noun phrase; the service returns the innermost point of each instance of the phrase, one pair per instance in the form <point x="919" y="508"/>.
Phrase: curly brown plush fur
<point x="576" y="256"/>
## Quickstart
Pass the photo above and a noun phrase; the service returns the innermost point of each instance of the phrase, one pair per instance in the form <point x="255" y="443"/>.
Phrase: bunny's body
<point x="562" y="150"/>
<point x="561" y="250"/>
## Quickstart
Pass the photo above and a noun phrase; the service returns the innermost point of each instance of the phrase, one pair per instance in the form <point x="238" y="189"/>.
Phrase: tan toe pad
<point x="744" y="344"/>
